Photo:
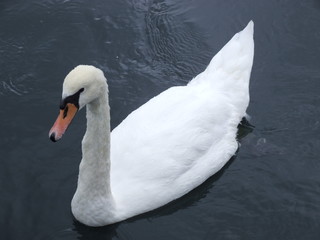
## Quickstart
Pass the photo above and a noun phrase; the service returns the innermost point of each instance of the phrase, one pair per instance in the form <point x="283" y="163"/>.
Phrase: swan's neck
<point x="93" y="199"/>
<point x="95" y="165"/>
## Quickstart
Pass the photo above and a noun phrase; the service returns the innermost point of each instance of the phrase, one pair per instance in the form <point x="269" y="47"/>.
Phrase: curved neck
<point x="95" y="165"/>
<point x="93" y="203"/>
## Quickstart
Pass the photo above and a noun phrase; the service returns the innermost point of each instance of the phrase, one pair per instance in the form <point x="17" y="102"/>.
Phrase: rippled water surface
<point x="270" y="190"/>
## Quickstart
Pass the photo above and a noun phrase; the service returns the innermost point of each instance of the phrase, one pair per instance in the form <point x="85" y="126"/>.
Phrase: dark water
<point x="271" y="190"/>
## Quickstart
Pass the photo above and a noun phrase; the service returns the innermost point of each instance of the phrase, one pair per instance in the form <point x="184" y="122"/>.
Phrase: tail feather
<point x="236" y="55"/>
<point x="229" y="70"/>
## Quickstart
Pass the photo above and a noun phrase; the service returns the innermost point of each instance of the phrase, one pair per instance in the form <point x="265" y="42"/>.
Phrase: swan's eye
<point x="74" y="99"/>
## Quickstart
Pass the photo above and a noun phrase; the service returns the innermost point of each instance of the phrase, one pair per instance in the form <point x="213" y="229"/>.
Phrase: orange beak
<point x="63" y="121"/>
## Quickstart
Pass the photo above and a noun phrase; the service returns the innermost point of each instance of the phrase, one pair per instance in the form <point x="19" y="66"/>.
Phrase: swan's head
<point x="81" y="86"/>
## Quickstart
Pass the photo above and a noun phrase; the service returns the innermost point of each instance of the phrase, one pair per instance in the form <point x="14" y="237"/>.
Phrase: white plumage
<point x="166" y="147"/>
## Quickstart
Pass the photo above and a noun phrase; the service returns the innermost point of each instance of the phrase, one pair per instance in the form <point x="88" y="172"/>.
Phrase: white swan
<point x="166" y="147"/>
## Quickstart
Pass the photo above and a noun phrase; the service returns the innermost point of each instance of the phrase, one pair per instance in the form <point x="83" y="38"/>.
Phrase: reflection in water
<point x="103" y="233"/>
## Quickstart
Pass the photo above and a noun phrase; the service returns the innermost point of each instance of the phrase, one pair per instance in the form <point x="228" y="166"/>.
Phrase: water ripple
<point x="16" y="86"/>
<point x="171" y="44"/>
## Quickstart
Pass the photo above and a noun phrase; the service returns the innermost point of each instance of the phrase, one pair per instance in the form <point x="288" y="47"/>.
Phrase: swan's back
<point x="180" y="138"/>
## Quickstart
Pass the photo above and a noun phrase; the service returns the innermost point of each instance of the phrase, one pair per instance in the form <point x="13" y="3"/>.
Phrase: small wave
<point x="64" y="234"/>
<point x="16" y="86"/>
<point x="177" y="45"/>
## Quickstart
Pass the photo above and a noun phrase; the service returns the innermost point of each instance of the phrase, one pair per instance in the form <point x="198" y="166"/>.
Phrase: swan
<point x="165" y="148"/>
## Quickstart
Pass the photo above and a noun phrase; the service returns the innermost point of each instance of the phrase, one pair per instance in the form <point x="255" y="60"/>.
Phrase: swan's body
<point x="165" y="148"/>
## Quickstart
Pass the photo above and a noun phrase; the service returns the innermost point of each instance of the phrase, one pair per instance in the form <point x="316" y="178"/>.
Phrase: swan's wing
<point x="178" y="139"/>
<point x="171" y="144"/>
